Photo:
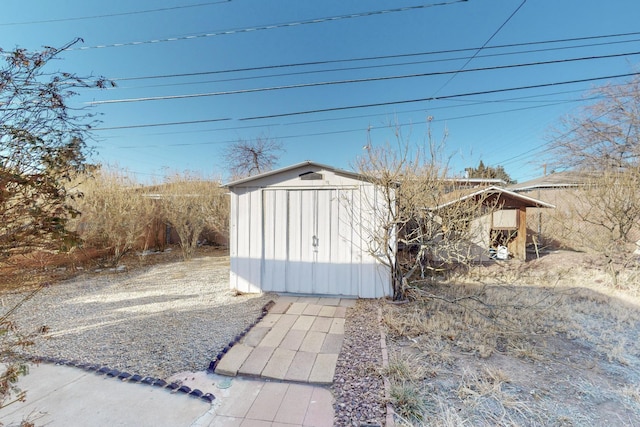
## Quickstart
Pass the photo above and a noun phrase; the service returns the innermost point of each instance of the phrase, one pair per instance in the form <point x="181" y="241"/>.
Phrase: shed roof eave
<point x="534" y="203"/>
<point x="293" y="167"/>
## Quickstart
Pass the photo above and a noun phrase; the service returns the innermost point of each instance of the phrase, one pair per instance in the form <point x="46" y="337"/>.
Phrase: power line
<point x="274" y="26"/>
<point x="148" y="125"/>
<point x="352" y="81"/>
<point x="479" y="102"/>
<point x="181" y="144"/>
<point x="365" y="67"/>
<point x="111" y="15"/>
<point x="436" y="98"/>
<point x="482" y="47"/>
<point x="405" y="55"/>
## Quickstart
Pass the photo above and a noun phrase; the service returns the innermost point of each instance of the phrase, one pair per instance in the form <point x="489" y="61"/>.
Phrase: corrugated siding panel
<point x="272" y="241"/>
<point x="347" y="281"/>
<point x="338" y="279"/>
<point x="233" y="242"/>
<point x="375" y="277"/>
<point x="324" y="263"/>
<point x="367" y="219"/>
<point x="255" y="240"/>
<point x="241" y="230"/>
<point x="246" y="248"/>
<point x="275" y="248"/>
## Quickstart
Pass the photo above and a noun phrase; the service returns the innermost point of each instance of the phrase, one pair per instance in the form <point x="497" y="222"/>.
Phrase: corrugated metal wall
<point x="308" y="241"/>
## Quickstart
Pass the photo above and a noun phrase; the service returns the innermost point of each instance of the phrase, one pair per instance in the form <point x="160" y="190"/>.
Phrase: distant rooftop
<point x="555" y="180"/>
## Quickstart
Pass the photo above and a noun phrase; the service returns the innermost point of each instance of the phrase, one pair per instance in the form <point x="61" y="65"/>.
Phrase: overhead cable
<point x="548" y="103"/>
<point x="352" y="81"/>
<point x="364" y="67"/>
<point x="403" y="55"/>
<point x="435" y="98"/>
<point x="453" y="76"/>
<point x="111" y="15"/>
<point x="274" y="26"/>
<point x="342" y="131"/>
<point x="148" y="125"/>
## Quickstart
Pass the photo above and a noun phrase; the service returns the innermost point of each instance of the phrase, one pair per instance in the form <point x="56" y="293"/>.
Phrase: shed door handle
<point x="315" y="241"/>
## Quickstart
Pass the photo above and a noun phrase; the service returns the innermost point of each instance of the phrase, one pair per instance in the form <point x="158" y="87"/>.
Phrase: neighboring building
<point x="554" y="229"/>
<point x="306" y="229"/>
<point x="504" y="223"/>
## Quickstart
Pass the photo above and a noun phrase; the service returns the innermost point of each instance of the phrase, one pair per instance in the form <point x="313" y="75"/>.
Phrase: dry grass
<point x="543" y="344"/>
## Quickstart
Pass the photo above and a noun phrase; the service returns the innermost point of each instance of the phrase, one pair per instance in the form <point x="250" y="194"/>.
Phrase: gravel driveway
<point x="156" y="321"/>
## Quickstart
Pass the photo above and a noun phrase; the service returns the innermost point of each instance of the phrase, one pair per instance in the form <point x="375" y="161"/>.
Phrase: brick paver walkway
<point x="298" y="340"/>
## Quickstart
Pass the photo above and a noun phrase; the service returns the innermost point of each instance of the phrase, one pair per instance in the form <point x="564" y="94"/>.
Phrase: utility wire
<point x="148" y="125"/>
<point x="408" y="101"/>
<point x="111" y="15"/>
<point x="342" y="131"/>
<point x="364" y="67"/>
<point x="381" y="57"/>
<point x="468" y="104"/>
<point x="352" y="81"/>
<point x="274" y="26"/>
<point x="483" y="46"/>
<point x="554" y="140"/>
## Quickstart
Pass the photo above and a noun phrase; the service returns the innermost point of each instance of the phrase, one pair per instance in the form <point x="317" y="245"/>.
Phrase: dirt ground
<point x="549" y="342"/>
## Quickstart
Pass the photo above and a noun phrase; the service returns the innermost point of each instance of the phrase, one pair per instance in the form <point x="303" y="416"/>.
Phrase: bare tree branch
<point x="246" y="158"/>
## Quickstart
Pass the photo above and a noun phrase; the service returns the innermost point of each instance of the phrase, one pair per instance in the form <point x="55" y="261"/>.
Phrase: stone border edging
<point x="214" y="363"/>
<point x="173" y="387"/>
<point x="126" y="376"/>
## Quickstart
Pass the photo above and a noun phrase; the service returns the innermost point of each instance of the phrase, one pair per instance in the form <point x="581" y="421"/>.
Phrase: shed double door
<point x="307" y="242"/>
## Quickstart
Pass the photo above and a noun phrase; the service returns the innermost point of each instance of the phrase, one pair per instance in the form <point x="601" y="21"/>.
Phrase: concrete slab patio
<point x="298" y="340"/>
<point x="285" y="358"/>
<point x="67" y="396"/>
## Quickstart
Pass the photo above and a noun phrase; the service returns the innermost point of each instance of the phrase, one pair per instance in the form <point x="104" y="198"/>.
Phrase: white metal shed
<point x="305" y="229"/>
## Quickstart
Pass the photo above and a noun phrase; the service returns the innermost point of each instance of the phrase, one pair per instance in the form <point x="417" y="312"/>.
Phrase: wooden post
<point x="521" y="240"/>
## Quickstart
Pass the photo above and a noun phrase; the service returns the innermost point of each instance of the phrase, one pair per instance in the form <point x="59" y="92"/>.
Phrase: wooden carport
<point x="508" y="212"/>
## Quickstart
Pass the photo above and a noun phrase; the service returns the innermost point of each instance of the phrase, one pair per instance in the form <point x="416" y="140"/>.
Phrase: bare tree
<point x="417" y="210"/>
<point x="115" y="212"/>
<point x="603" y="143"/>
<point x="603" y="135"/>
<point x="42" y="144"/>
<point x="193" y="204"/>
<point x="246" y="158"/>
<point x="603" y="216"/>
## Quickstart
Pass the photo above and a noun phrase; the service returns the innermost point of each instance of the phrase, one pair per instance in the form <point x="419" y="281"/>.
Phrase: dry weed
<point x="631" y="393"/>
<point x="561" y="333"/>
<point x="476" y="319"/>
<point x="408" y="400"/>
<point x="404" y="368"/>
<point x="488" y="402"/>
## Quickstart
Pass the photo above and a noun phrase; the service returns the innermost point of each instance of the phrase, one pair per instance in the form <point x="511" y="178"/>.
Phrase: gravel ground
<point x="174" y="317"/>
<point x="156" y="321"/>
<point x="358" y="387"/>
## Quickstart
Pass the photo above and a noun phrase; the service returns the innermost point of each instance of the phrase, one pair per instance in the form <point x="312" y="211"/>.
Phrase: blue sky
<point x="222" y="40"/>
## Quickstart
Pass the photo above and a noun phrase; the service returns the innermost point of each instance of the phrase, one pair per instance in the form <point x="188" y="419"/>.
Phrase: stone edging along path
<point x="214" y="363"/>
<point x="155" y="382"/>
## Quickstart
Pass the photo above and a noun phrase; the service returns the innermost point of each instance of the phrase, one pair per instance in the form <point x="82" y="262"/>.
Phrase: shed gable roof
<point x="311" y="166"/>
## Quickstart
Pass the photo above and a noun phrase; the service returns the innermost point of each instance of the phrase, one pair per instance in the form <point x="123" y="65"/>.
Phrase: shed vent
<point x="309" y="176"/>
